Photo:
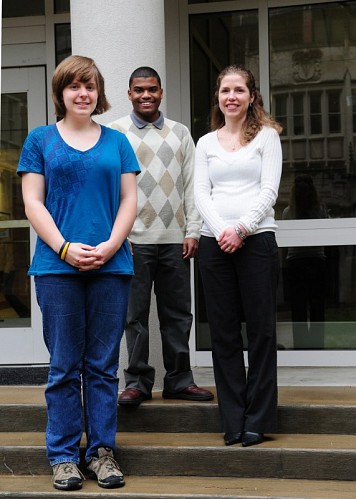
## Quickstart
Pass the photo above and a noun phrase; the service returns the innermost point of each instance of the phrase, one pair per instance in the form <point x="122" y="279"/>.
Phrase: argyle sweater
<point x="166" y="212"/>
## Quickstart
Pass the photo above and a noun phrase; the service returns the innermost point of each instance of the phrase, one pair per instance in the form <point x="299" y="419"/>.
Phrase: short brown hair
<point x="83" y="68"/>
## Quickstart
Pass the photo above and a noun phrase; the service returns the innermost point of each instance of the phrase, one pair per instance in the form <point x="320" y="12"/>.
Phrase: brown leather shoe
<point x="193" y="392"/>
<point x="133" y="396"/>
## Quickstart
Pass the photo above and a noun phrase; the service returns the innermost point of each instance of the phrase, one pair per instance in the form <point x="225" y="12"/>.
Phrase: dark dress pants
<point x="241" y="287"/>
<point x="162" y="266"/>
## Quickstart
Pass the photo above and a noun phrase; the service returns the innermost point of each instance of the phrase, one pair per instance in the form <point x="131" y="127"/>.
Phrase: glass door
<point x="312" y="93"/>
<point x="302" y="58"/>
<point x="23" y="107"/>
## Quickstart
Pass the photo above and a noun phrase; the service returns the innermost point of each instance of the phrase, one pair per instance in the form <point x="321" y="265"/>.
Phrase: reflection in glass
<point x="334" y="111"/>
<point x="312" y="69"/>
<point x="14" y="283"/>
<point x="15" y="302"/>
<point x="353" y="100"/>
<point x="217" y="40"/>
<point x="325" y="308"/>
<point x="305" y="269"/>
<point x="315" y="113"/>
<point x="63" y="41"/>
<point x="312" y="75"/>
<point x="321" y="298"/>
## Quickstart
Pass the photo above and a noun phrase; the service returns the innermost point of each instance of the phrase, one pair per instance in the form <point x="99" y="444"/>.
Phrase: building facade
<point x="303" y="57"/>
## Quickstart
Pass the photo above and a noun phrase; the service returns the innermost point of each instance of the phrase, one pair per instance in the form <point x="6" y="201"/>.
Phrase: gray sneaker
<point x="66" y="476"/>
<point x="106" y="469"/>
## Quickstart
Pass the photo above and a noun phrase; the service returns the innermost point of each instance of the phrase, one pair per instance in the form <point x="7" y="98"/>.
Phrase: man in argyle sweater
<point x="164" y="238"/>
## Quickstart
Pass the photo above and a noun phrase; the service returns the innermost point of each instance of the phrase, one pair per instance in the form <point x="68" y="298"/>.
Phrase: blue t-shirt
<point x="82" y="193"/>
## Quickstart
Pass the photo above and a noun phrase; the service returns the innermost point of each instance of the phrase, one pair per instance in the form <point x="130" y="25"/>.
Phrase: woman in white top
<point x="237" y="175"/>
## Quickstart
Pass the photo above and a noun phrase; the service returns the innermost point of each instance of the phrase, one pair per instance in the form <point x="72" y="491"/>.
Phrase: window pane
<point x="285" y="29"/>
<point x="315" y="113"/>
<point x="316" y="300"/>
<point x="14" y="240"/>
<point x="298" y="104"/>
<point x="281" y="112"/>
<point x="61" y="6"/>
<point x="316" y="149"/>
<point x="315" y="124"/>
<point x="298" y="115"/>
<point x="334" y="111"/>
<point x="353" y="100"/>
<point x="315" y="104"/>
<point x="217" y="40"/>
<point x="23" y="8"/>
<point x="310" y="48"/>
<point x="63" y="41"/>
<point x="298" y="125"/>
<point x="334" y="102"/>
<point x="334" y="124"/>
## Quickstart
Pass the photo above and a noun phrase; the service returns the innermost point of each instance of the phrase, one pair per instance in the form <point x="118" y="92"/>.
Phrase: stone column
<point x="121" y="35"/>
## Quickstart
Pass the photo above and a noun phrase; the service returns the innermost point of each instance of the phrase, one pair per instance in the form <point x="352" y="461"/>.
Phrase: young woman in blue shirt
<point x="79" y="190"/>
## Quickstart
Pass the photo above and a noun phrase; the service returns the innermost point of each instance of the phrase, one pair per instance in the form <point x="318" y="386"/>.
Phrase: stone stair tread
<point x="179" y="487"/>
<point x="179" y="440"/>
<point x="174" y="449"/>
<point x="287" y="395"/>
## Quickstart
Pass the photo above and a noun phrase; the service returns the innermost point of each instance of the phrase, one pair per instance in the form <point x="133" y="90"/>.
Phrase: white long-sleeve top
<point x="240" y="186"/>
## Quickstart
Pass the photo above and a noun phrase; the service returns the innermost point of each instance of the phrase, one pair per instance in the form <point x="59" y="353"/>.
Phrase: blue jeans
<point x="83" y="323"/>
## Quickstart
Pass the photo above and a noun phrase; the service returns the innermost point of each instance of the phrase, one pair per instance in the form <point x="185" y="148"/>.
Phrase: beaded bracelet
<point x="239" y="232"/>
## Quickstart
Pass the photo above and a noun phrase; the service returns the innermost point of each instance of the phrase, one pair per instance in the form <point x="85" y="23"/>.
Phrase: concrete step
<point x="300" y="456"/>
<point x="153" y="487"/>
<point x="301" y="410"/>
<point x="174" y="449"/>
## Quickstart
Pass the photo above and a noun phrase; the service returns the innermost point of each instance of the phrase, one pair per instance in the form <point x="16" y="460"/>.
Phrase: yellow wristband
<point x="64" y="251"/>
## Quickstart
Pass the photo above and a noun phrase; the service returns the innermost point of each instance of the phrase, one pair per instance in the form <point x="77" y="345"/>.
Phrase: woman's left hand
<point x="96" y="257"/>
<point x="102" y="253"/>
<point x="229" y="241"/>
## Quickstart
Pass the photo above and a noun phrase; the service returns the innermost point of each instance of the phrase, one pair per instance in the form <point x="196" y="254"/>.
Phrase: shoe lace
<point x="70" y="469"/>
<point x="110" y="464"/>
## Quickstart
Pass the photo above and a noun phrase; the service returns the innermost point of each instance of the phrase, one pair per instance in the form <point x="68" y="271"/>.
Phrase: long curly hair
<point x="256" y="116"/>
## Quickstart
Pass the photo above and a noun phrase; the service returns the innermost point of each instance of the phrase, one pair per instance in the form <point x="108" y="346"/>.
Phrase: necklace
<point x="232" y="145"/>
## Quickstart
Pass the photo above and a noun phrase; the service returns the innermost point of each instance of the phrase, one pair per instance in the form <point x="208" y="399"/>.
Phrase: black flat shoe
<point x="232" y="438"/>
<point x="251" y="438"/>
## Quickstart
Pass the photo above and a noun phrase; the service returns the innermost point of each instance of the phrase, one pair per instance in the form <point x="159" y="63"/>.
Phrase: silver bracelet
<point x="240" y="233"/>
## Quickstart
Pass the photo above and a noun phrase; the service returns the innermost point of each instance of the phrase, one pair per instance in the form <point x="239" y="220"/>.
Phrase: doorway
<point x="23" y="107"/>
<point x="308" y="83"/>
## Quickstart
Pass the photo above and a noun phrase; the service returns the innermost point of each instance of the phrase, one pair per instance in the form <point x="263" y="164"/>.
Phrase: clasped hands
<point x="85" y="257"/>
<point x="229" y="241"/>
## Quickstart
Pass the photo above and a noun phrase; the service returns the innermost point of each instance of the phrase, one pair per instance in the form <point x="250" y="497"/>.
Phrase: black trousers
<point x="163" y="267"/>
<point x="241" y="287"/>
